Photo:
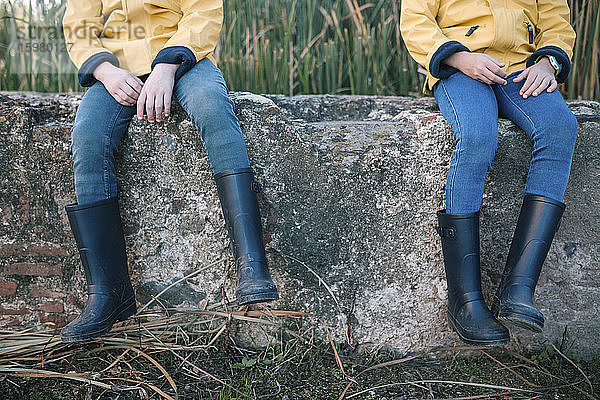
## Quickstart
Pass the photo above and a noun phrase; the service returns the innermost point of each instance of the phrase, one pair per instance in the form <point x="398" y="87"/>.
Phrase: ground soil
<point x="304" y="370"/>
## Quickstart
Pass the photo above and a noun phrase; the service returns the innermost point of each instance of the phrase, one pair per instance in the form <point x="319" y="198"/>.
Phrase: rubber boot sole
<point x="476" y="342"/>
<point x="521" y="320"/>
<point x="124" y="311"/>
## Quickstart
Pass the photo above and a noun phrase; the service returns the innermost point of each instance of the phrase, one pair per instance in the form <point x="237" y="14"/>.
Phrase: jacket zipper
<point x="471" y="30"/>
<point x="530" y="30"/>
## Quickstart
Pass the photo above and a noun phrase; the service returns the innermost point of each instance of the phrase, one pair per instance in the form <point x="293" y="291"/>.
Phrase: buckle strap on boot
<point x="446" y="232"/>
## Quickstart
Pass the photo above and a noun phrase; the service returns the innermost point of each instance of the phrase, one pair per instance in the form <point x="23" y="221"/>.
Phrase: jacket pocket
<point x="525" y="32"/>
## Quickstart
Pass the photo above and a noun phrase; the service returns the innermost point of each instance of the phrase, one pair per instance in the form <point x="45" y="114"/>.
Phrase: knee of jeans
<point x="568" y="129"/>
<point x="479" y="145"/>
<point x="560" y="133"/>
<point x="208" y="99"/>
<point x="86" y="142"/>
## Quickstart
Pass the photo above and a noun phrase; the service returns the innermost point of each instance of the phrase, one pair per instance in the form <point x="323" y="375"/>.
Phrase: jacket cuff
<point x="176" y="55"/>
<point x="85" y="74"/>
<point x="436" y="67"/>
<point x="560" y="56"/>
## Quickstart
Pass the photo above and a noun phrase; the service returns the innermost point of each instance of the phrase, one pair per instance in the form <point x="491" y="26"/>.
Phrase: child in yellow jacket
<point x="487" y="58"/>
<point x="135" y="55"/>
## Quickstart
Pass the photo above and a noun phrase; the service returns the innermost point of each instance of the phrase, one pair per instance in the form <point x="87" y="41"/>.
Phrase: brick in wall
<point x="22" y="250"/>
<point x="51" y="307"/>
<point x="41" y="291"/>
<point x="8" y="288"/>
<point x="13" y="311"/>
<point x="33" y="269"/>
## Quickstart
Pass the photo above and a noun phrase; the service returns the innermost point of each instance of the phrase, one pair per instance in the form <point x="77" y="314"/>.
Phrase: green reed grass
<point x="584" y="80"/>
<point x="38" y="64"/>
<point x="288" y="46"/>
<point x="310" y="46"/>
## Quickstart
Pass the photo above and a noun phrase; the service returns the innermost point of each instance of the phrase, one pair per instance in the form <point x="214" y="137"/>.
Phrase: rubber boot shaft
<point x="237" y="192"/>
<point x="468" y="313"/>
<point x="99" y="236"/>
<point x="538" y="221"/>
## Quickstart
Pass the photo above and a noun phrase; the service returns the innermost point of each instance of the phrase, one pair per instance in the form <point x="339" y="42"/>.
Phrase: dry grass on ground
<point x="190" y="354"/>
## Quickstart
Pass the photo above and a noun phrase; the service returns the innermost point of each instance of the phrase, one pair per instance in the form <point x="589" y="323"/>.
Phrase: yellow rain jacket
<point x="137" y="34"/>
<point x="516" y="32"/>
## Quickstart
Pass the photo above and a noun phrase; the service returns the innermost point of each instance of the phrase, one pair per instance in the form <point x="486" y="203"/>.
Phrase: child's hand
<point x="156" y="93"/>
<point x="478" y="66"/>
<point x="122" y="85"/>
<point x="540" y="77"/>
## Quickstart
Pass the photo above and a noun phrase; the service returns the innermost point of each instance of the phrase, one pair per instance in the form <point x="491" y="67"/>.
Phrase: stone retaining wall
<point x="350" y="190"/>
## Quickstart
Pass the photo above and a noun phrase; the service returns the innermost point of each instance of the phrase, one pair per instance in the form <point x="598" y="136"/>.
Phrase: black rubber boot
<point x="99" y="235"/>
<point x="538" y="222"/>
<point x="236" y="190"/>
<point x="468" y="315"/>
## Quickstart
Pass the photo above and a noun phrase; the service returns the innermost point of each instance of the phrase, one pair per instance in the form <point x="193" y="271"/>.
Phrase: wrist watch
<point x="555" y="64"/>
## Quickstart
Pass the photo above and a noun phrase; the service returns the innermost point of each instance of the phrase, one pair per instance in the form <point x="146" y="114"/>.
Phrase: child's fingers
<point x="121" y="100"/>
<point x="553" y="86"/>
<point x="533" y="86"/>
<point x="158" y="107"/>
<point x="167" y="101"/>
<point x="135" y="83"/>
<point x="141" y="102"/>
<point x="484" y="79"/>
<point x="150" y="108"/>
<point x="127" y="101"/>
<point x="543" y="85"/>
<point x="497" y="70"/>
<point x="528" y="82"/>
<point x="121" y="97"/>
<point x="129" y="92"/>
<point x="493" y="77"/>
<point x="521" y="76"/>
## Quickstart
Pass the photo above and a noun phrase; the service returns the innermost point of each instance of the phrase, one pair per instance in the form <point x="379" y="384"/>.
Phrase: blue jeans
<point x="472" y="109"/>
<point x="101" y="123"/>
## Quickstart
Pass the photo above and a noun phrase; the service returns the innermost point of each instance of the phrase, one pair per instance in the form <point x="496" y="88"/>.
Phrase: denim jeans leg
<point x="552" y="128"/>
<point x="471" y="109"/>
<point x="99" y="126"/>
<point x="203" y="94"/>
